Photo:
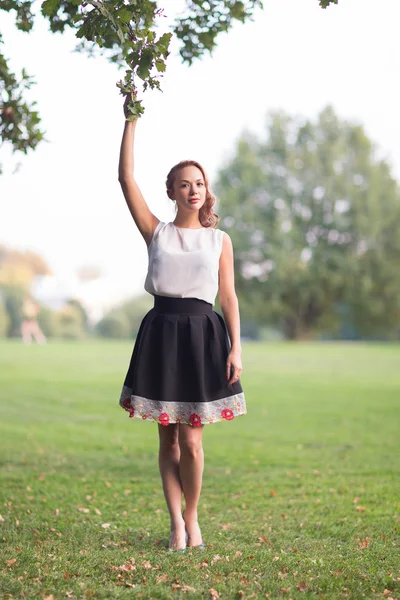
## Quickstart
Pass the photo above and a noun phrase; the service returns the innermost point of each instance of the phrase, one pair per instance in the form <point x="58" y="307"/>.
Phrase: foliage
<point x="126" y="34"/>
<point x="124" y="320"/>
<point x="4" y="318"/>
<point x="12" y="299"/>
<point x="75" y="303"/>
<point x="19" y="121"/>
<point x="314" y="217"/>
<point x="18" y="268"/>
<point x="114" y="325"/>
<point x="48" y="322"/>
<point x="69" y="323"/>
<point x="325" y="3"/>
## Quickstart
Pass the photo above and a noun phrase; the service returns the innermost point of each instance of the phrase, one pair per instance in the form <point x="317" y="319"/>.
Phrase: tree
<point x="314" y="216"/>
<point x="126" y="34"/>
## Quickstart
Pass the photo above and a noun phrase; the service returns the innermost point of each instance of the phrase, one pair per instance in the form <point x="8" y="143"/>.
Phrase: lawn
<point x="301" y="497"/>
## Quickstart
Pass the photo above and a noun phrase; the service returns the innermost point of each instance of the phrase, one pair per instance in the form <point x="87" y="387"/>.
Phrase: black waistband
<point x="187" y="306"/>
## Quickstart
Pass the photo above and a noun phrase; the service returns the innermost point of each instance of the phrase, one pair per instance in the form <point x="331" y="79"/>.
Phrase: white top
<point x="183" y="262"/>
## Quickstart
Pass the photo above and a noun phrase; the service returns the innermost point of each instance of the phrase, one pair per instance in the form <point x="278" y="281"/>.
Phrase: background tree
<point x="124" y="321"/>
<point x="314" y="216"/>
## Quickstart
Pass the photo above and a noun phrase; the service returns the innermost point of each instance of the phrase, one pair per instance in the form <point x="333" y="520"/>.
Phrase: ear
<point x="170" y="194"/>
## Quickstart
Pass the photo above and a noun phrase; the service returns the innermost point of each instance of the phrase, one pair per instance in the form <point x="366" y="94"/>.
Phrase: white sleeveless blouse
<point x="183" y="262"/>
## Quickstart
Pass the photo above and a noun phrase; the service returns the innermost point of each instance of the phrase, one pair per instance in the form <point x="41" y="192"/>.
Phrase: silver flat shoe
<point x="172" y="549"/>
<point x="199" y="546"/>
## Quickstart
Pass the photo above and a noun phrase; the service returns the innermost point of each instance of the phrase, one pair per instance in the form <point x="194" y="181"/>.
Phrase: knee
<point x="191" y="448"/>
<point x="169" y="445"/>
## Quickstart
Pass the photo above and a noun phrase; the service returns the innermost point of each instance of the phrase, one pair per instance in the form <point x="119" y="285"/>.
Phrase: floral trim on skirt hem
<point x="195" y="414"/>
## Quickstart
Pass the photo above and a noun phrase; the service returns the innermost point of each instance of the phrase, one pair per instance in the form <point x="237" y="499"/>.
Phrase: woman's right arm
<point x="145" y="221"/>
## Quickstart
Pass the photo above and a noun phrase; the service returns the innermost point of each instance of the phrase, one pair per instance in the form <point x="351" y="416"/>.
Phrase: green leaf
<point x="145" y="64"/>
<point x="160" y="65"/>
<point x="125" y="15"/>
<point x="50" y="7"/>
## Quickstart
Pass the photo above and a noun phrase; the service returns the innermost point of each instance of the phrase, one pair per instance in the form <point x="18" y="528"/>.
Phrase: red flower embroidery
<point x="195" y="420"/>
<point x="131" y="412"/>
<point x="227" y="414"/>
<point x="126" y="404"/>
<point x="164" y="419"/>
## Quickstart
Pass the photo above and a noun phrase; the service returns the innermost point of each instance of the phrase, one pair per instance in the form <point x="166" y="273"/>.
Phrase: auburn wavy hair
<point x="207" y="217"/>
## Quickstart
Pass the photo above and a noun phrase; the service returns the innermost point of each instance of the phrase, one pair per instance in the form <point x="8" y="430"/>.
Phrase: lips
<point x="194" y="200"/>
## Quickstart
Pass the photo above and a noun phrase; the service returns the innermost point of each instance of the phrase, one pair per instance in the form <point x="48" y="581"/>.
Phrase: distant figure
<point x="30" y="329"/>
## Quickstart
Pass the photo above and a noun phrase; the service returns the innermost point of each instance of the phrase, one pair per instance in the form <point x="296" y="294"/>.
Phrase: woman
<point x="182" y="373"/>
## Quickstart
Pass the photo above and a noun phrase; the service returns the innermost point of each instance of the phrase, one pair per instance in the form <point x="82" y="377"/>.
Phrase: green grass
<point x="300" y="497"/>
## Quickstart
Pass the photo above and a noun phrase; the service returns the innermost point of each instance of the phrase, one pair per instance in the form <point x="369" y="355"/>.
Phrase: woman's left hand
<point x="233" y="362"/>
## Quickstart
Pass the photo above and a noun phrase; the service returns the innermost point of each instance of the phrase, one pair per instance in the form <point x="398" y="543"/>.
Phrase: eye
<point x="200" y="183"/>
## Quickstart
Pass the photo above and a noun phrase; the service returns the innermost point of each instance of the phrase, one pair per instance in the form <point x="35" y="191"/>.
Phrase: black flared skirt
<point x="177" y="373"/>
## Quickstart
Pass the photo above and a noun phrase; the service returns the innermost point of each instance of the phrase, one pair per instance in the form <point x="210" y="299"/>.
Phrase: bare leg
<point x="38" y="334"/>
<point x="191" y="468"/>
<point x="26" y="332"/>
<point x="168" y="461"/>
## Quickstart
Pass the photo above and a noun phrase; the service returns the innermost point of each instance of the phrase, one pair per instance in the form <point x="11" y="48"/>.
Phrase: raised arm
<point x="145" y="221"/>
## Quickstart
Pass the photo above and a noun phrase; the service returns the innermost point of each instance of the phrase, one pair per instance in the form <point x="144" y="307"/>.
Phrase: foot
<point x="193" y="530"/>
<point x="177" y="540"/>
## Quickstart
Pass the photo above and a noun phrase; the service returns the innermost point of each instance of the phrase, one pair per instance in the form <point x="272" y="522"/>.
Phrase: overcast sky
<point x="65" y="201"/>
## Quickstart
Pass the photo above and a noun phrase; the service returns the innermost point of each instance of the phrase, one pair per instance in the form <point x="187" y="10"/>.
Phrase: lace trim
<point x="195" y="414"/>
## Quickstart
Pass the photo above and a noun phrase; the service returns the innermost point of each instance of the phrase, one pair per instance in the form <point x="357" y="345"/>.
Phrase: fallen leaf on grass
<point x="225" y="527"/>
<point x="360" y="508"/>
<point x="387" y="592"/>
<point x="214" y="594"/>
<point x="364" y="543"/>
<point x="238" y="553"/>
<point x="82" y="509"/>
<point x="282" y="575"/>
<point x="107" y="484"/>
<point x="175" y="586"/>
<point x="187" y="588"/>
<point x="1" y="518"/>
<point x="128" y="566"/>
<point x="51" y="597"/>
<point x="273" y="493"/>
<point x="57" y="512"/>
<point x="163" y="578"/>
<point x="106" y="525"/>
<point x="262" y="538"/>
<point x="147" y="564"/>
<point x="11" y="562"/>
<point x="97" y="511"/>
<point x="301" y="586"/>
<point x="284" y="590"/>
<point x="215" y="559"/>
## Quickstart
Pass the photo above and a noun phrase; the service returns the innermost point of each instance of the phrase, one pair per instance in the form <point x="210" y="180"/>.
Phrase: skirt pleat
<point x="177" y="372"/>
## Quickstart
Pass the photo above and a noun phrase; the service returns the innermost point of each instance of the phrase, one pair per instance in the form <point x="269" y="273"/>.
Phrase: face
<point x="189" y="189"/>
